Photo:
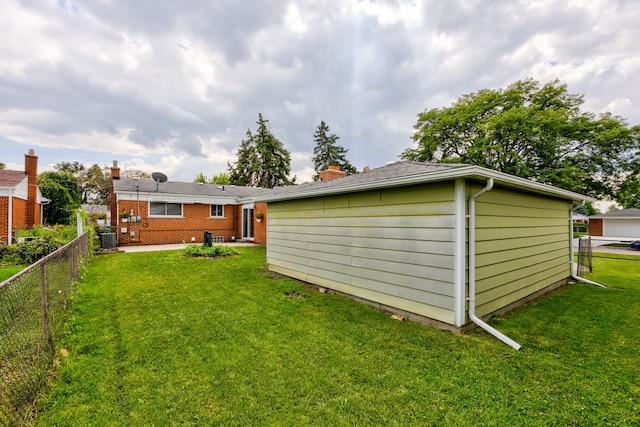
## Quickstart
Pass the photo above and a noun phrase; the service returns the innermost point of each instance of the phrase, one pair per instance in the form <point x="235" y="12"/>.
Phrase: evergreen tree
<point x="262" y="160"/>
<point x="327" y="153"/>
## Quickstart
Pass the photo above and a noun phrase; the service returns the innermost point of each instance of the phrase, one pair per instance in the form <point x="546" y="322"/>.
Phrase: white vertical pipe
<point x="472" y="271"/>
<point x="10" y="219"/>
<point x="459" y="253"/>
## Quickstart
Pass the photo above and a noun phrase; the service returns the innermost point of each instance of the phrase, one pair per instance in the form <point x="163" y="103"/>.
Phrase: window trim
<point x="181" y="215"/>
<point x="211" y="208"/>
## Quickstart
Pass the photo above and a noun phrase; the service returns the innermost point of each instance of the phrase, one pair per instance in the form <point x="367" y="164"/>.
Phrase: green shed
<point x="443" y="243"/>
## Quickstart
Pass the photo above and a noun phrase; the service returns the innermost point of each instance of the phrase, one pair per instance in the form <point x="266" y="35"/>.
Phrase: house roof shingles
<point x="148" y="185"/>
<point x="11" y="178"/>
<point x="390" y="175"/>
<point x="624" y="213"/>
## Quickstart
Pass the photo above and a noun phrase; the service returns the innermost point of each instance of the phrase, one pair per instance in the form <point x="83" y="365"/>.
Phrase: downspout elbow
<point x="472" y="271"/>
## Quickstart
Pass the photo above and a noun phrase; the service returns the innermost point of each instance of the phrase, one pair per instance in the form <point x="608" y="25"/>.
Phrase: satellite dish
<point x="159" y="177"/>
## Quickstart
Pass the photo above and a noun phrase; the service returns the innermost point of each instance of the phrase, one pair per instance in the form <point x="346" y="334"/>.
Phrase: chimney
<point x="31" y="170"/>
<point x="115" y="170"/>
<point x="333" y="172"/>
<point x="113" y="203"/>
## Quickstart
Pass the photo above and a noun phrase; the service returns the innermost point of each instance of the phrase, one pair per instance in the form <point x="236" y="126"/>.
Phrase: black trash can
<point x="208" y="239"/>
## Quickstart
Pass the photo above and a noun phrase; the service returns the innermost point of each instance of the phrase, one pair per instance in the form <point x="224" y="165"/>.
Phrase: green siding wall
<point x="396" y="246"/>
<point x="391" y="246"/>
<point x="522" y="246"/>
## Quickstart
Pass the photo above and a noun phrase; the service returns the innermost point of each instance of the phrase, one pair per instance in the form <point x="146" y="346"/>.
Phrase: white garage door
<point x="621" y="228"/>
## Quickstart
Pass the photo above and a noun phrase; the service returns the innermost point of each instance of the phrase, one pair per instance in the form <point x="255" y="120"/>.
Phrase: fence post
<point x="45" y="302"/>
<point x="590" y="256"/>
<point x="74" y="260"/>
<point x="579" y="267"/>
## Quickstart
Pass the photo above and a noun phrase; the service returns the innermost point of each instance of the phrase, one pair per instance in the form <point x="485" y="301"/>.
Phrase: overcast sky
<point x="173" y="86"/>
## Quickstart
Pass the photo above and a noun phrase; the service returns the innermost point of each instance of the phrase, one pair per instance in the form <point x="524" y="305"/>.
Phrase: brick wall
<point x="32" y="209"/>
<point x="260" y="228"/>
<point x="157" y="231"/>
<point x="20" y="214"/>
<point x="4" y="219"/>
<point x="18" y="219"/>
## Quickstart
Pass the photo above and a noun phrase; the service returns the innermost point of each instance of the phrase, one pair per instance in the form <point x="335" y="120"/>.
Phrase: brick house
<point x="20" y="198"/>
<point x="148" y="212"/>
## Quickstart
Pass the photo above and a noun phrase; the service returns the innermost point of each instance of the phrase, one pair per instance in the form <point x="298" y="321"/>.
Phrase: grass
<point x="7" y="271"/>
<point x="163" y="339"/>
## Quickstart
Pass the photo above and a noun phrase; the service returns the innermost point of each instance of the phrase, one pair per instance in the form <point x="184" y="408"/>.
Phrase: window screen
<point x="165" y="209"/>
<point x="217" y="210"/>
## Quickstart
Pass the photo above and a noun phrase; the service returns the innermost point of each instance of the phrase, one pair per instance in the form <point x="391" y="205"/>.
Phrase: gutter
<point x="472" y="271"/>
<point x="466" y="172"/>
<point x="572" y="264"/>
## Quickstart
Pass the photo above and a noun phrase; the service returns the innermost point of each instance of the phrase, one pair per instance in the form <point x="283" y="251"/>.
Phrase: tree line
<point x="528" y="129"/>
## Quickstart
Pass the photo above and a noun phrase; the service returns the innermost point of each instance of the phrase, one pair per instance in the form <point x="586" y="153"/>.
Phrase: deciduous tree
<point x="63" y="192"/>
<point x="533" y="131"/>
<point x="222" y="178"/>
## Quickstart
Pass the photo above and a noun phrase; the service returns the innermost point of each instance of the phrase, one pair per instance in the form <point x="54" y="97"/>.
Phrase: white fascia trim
<point x="637" y="218"/>
<point x="467" y="172"/>
<point x="176" y="198"/>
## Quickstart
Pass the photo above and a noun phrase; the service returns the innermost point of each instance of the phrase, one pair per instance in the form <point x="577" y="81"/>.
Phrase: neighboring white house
<point x="623" y="224"/>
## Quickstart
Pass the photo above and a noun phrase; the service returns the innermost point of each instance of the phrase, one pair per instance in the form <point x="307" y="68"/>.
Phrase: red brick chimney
<point x="333" y="172"/>
<point x="31" y="170"/>
<point x="115" y="174"/>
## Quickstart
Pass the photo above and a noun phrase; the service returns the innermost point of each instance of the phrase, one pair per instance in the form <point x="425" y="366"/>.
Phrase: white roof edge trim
<point x="613" y="217"/>
<point x="468" y="172"/>
<point x="186" y="198"/>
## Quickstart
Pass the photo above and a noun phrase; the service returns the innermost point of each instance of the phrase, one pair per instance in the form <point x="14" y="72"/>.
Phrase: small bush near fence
<point x="32" y="306"/>
<point x="601" y="253"/>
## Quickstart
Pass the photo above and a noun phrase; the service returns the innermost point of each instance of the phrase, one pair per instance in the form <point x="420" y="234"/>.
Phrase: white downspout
<point x="472" y="271"/>
<point x="460" y="273"/>
<point x="10" y="219"/>
<point x="572" y="265"/>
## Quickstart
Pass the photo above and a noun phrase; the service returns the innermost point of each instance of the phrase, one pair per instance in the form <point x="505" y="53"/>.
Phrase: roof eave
<point x="143" y="195"/>
<point x="467" y="172"/>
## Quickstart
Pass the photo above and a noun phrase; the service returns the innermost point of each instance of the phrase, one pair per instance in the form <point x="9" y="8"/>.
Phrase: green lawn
<point x="8" y="271"/>
<point x="161" y="339"/>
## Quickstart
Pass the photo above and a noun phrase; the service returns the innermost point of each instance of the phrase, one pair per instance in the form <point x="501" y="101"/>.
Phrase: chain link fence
<point x="32" y="306"/>
<point x="605" y="253"/>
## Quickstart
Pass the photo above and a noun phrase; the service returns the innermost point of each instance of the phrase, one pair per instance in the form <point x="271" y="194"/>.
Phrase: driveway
<point x="152" y="248"/>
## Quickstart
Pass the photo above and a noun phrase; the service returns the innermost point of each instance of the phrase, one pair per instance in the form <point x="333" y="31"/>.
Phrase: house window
<point x="165" y="209"/>
<point x="217" y="210"/>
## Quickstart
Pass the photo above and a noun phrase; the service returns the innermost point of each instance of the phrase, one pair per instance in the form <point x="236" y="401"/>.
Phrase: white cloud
<point x="176" y="86"/>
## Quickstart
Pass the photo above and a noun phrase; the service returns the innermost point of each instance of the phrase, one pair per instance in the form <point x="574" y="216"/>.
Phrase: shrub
<point x="208" y="251"/>
<point x="30" y="251"/>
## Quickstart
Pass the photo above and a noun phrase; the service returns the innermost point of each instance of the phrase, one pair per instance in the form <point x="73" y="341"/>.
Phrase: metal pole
<point x="138" y="216"/>
<point x="45" y="303"/>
